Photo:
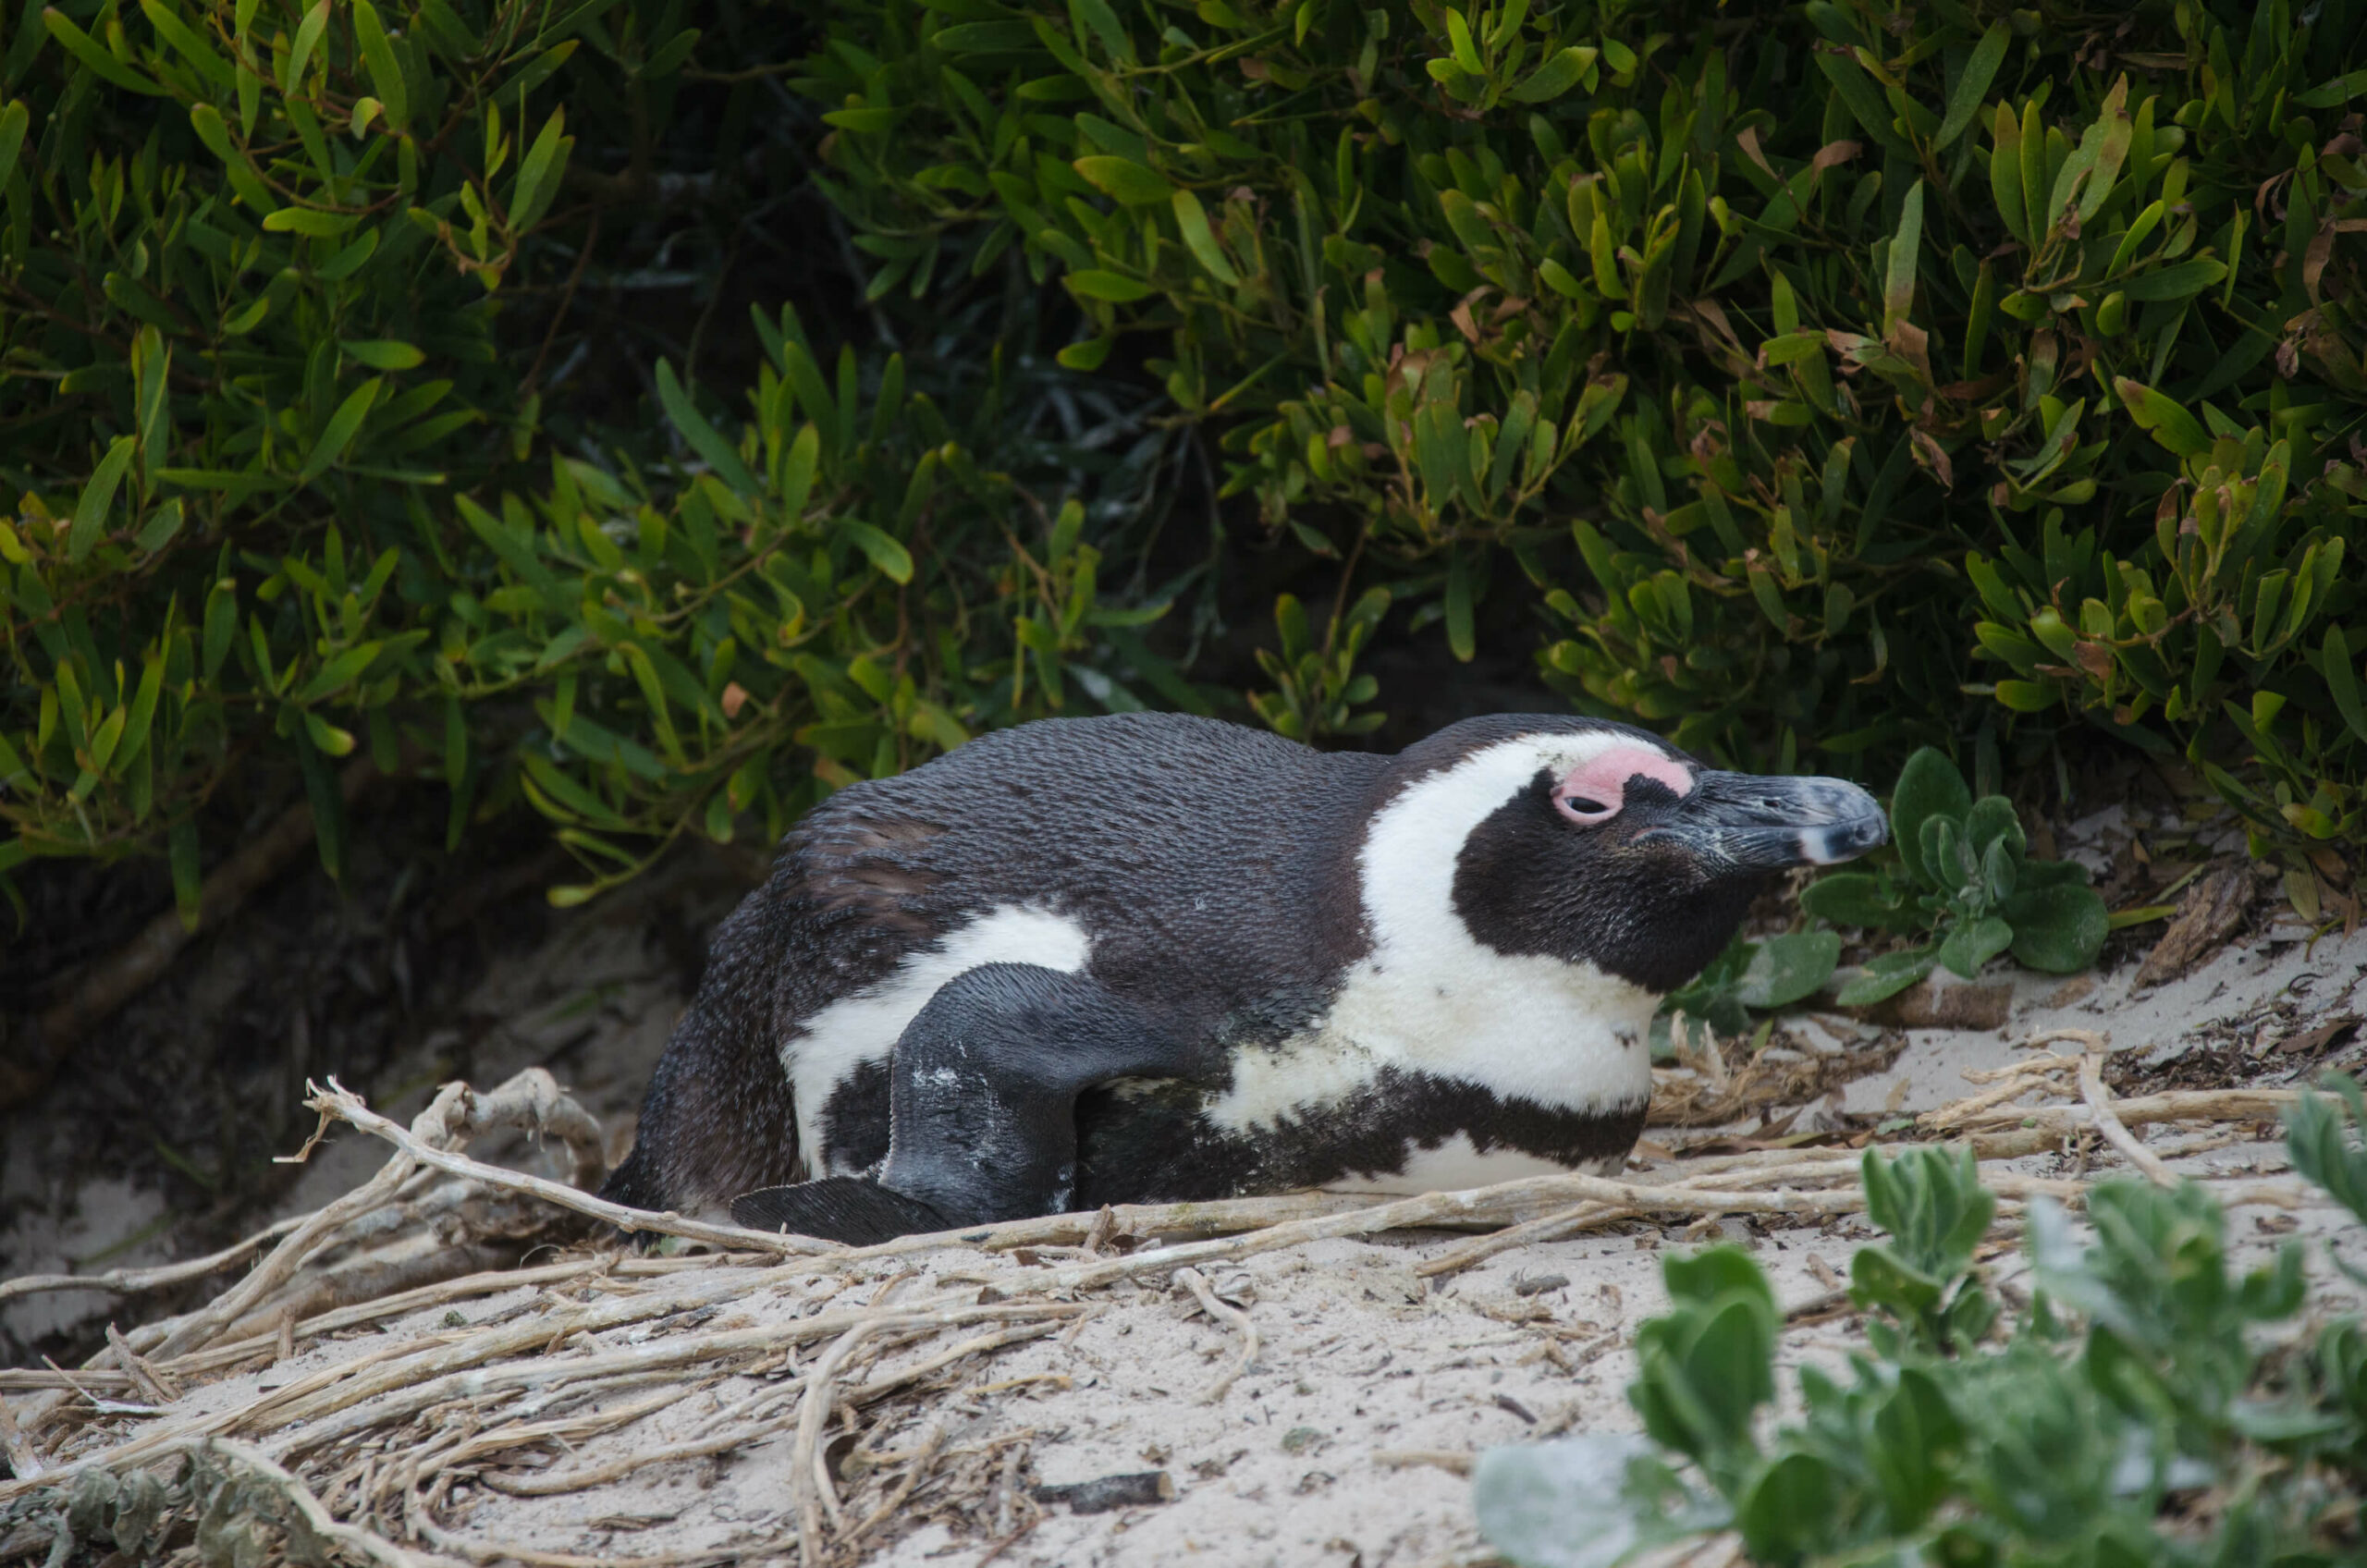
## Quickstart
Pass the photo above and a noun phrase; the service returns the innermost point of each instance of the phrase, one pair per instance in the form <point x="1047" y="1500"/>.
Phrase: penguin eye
<point x="1596" y="789"/>
<point x="1583" y="809"/>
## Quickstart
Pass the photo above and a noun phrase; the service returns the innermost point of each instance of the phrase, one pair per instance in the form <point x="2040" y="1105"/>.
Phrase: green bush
<point x="284" y="488"/>
<point x="1812" y="382"/>
<point x="2151" y="1405"/>
<point x="1841" y="377"/>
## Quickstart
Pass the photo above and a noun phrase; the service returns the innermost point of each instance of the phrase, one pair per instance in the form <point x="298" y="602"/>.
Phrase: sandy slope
<point x="1324" y="1451"/>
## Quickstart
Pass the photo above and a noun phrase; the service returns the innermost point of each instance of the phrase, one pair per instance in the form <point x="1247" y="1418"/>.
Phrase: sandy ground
<point x="1324" y="1452"/>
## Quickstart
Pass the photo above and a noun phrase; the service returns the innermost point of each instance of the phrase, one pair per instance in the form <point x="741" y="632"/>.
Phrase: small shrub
<point x="2151" y="1405"/>
<point x="1963" y="874"/>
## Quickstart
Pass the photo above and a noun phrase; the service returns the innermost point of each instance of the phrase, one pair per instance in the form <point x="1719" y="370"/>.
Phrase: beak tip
<point x="1830" y="844"/>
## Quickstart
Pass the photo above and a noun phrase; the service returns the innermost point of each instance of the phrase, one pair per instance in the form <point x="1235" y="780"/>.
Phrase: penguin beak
<point x="1757" y="823"/>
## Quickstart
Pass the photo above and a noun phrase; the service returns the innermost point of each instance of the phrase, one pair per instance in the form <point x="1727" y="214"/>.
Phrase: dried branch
<point x="200" y="1327"/>
<point x="1231" y="1317"/>
<point x="127" y="1281"/>
<point x="2099" y="1098"/>
<point x="1432" y="1208"/>
<point x="344" y="1105"/>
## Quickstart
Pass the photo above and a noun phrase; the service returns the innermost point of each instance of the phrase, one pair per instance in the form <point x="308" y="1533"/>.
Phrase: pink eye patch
<point x="1595" y="790"/>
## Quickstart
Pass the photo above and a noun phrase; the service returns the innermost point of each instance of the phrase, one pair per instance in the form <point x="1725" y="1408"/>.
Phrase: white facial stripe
<point x="1431" y="998"/>
<point x="865" y="1027"/>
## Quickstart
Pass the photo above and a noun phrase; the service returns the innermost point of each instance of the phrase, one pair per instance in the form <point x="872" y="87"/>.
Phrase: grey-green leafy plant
<point x="232" y="1512"/>
<point x="2327" y="1149"/>
<point x="2151" y="1405"/>
<point x="1964" y="878"/>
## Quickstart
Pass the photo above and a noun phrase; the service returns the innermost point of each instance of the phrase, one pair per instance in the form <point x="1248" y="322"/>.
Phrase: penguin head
<point x="1594" y="844"/>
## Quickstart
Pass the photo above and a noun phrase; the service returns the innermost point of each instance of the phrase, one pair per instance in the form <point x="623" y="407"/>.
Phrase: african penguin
<point x="1151" y="958"/>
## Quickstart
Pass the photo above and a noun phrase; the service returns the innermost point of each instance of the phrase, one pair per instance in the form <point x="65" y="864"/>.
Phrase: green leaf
<point x="1992" y="820"/>
<point x="987" y="38"/>
<point x="189" y="885"/>
<point x="1087" y="354"/>
<point x="1201" y="240"/>
<point x="1944" y="854"/>
<point x="2058" y="929"/>
<point x="385" y="73"/>
<point x="162" y="525"/>
<point x="798" y="470"/>
<point x="1785" y="969"/>
<point x="13" y="121"/>
<point x="1094" y="282"/>
<point x="1887" y="975"/>
<point x="2341" y="89"/>
<point x="187" y="43"/>
<point x="1559" y="1504"/>
<point x="1973" y="943"/>
<point x="207" y="122"/>
<point x="1787" y="1511"/>
<point x="2342" y="681"/>
<point x="300" y="53"/>
<point x="339" y="672"/>
<point x="539" y="177"/>
<point x="1461" y="639"/>
<point x="383" y="353"/>
<point x="221" y="624"/>
<point x="719" y="454"/>
<point x="328" y="807"/>
<point x="1124" y="180"/>
<point x="1560" y="72"/>
<point x="80" y="45"/>
<point x="1857" y="94"/>
<point x="1855" y="898"/>
<point x="1928" y="787"/>
<point x="327" y="736"/>
<point x="893" y="560"/>
<point x="2006" y="174"/>
<point x="98" y="496"/>
<point x="310" y="221"/>
<point x="2179" y="280"/>
<point x="342" y="427"/>
<point x="1899" y="273"/>
<point x="2157" y="412"/>
<point x="1972" y="88"/>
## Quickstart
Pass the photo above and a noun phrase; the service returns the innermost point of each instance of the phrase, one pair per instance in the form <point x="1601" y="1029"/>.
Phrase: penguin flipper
<point x="983" y="1085"/>
<point x="852" y="1209"/>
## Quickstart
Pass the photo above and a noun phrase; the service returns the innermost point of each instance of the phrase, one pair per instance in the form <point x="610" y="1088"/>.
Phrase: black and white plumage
<point x="1156" y="957"/>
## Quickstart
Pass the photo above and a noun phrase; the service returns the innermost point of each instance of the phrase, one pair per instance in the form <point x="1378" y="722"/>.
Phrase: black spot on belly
<point x="1151" y="1143"/>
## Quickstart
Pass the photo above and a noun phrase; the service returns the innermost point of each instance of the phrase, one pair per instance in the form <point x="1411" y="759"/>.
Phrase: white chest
<point x="1564" y="1037"/>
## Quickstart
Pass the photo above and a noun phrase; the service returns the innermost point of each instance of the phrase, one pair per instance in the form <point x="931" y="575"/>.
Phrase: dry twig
<point x="344" y="1105"/>
<point x="126" y="1282"/>
<point x="1231" y="1317"/>
<point x="2099" y="1098"/>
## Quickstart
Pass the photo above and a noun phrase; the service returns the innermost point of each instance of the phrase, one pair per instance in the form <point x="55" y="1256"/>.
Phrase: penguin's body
<point x="1156" y="957"/>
